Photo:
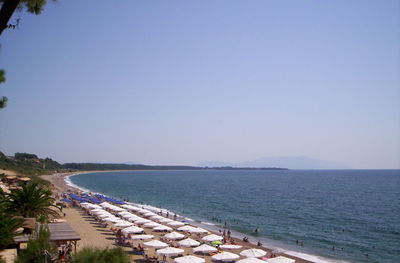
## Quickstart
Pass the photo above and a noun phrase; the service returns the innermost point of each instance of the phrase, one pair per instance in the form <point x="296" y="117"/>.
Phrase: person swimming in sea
<point x="256" y="230"/>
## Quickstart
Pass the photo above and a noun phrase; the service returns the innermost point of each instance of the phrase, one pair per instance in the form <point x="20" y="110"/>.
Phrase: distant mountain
<point x="291" y="162"/>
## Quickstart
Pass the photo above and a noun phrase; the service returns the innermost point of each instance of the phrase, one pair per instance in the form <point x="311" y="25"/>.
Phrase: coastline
<point x="62" y="184"/>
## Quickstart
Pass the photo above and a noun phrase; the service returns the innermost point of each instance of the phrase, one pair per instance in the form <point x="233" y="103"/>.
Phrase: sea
<point x="319" y="215"/>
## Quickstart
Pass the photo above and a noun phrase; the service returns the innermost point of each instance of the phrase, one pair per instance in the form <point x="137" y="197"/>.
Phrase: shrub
<point x="8" y="226"/>
<point x="95" y="255"/>
<point x="39" y="249"/>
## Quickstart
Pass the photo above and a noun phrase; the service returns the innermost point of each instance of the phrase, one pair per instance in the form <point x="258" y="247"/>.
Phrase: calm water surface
<point x="355" y="211"/>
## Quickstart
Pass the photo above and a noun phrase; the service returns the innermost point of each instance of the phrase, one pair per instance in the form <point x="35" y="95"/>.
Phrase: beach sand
<point x="94" y="235"/>
<point x="7" y="172"/>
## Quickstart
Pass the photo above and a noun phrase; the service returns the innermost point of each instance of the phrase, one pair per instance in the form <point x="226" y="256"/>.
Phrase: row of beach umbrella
<point x="128" y="227"/>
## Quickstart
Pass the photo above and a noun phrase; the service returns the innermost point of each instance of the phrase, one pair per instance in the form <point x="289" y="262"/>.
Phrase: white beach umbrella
<point x="155" y="244"/>
<point x="253" y="253"/>
<point x="151" y="224"/>
<point x="104" y="214"/>
<point x="94" y="206"/>
<point x="104" y="204"/>
<point x="170" y="251"/>
<point x="148" y="214"/>
<point x="185" y="228"/>
<point x="142" y="211"/>
<point x="112" y="219"/>
<point x="212" y="237"/>
<point x="281" y="259"/>
<point x="165" y="220"/>
<point x="142" y="237"/>
<point x="133" y="230"/>
<point x="198" y="230"/>
<point x="132" y="208"/>
<point x="175" y="223"/>
<point x="162" y="228"/>
<point x="142" y="221"/>
<point x="225" y="256"/>
<point x="123" y="224"/>
<point x="129" y="207"/>
<point x="157" y="217"/>
<point x="174" y="235"/>
<point x="97" y="210"/>
<point x="151" y="208"/>
<point x="251" y="260"/>
<point x="230" y="246"/>
<point x="124" y="213"/>
<point x="189" y="259"/>
<point x="128" y="216"/>
<point x="101" y="211"/>
<point x="117" y="209"/>
<point x="133" y="218"/>
<point x="204" y="249"/>
<point x="188" y="242"/>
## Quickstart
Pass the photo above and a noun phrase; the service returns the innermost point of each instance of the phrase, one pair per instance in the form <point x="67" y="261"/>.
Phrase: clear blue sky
<point x="181" y="82"/>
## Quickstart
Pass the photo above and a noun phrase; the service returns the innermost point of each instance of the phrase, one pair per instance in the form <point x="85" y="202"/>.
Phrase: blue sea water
<point x="355" y="211"/>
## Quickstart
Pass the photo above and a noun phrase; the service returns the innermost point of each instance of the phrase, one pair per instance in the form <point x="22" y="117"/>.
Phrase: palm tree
<point x="32" y="201"/>
<point x="8" y="227"/>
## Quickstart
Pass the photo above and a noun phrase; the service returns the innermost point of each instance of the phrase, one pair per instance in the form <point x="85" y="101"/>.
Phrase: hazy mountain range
<point x="291" y="162"/>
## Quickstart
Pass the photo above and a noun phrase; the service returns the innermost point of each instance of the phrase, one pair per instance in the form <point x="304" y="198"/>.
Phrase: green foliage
<point x="8" y="225"/>
<point x="3" y="100"/>
<point x="39" y="248"/>
<point x="32" y="6"/>
<point x="40" y="181"/>
<point x="25" y="156"/>
<point x="95" y="255"/>
<point x="2" y="76"/>
<point x="27" y="163"/>
<point x="32" y="201"/>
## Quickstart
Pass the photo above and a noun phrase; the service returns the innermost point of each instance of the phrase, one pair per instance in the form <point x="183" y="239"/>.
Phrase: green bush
<point x="8" y="226"/>
<point x="39" y="249"/>
<point x="95" y="255"/>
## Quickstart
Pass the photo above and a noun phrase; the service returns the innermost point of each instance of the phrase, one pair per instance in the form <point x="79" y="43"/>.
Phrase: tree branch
<point x="7" y="10"/>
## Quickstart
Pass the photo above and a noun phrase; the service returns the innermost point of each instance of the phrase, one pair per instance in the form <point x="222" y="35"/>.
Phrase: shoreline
<point x="62" y="184"/>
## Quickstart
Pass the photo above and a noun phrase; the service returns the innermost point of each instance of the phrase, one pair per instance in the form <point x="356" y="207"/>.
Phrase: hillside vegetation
<point x="31" y="164"/>
<point x="27" y="163"/>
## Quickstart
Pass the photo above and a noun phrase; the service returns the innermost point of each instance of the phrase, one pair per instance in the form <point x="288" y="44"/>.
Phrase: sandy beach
<point x="94" y="235"/>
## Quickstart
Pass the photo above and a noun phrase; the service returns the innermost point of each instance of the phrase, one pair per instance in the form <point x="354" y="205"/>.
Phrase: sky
<point x="184" y="82"/>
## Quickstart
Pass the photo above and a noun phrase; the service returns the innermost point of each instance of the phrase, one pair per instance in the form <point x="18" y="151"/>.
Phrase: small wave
<point x="313" y="258"/>
<point x="68" y="182"/>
